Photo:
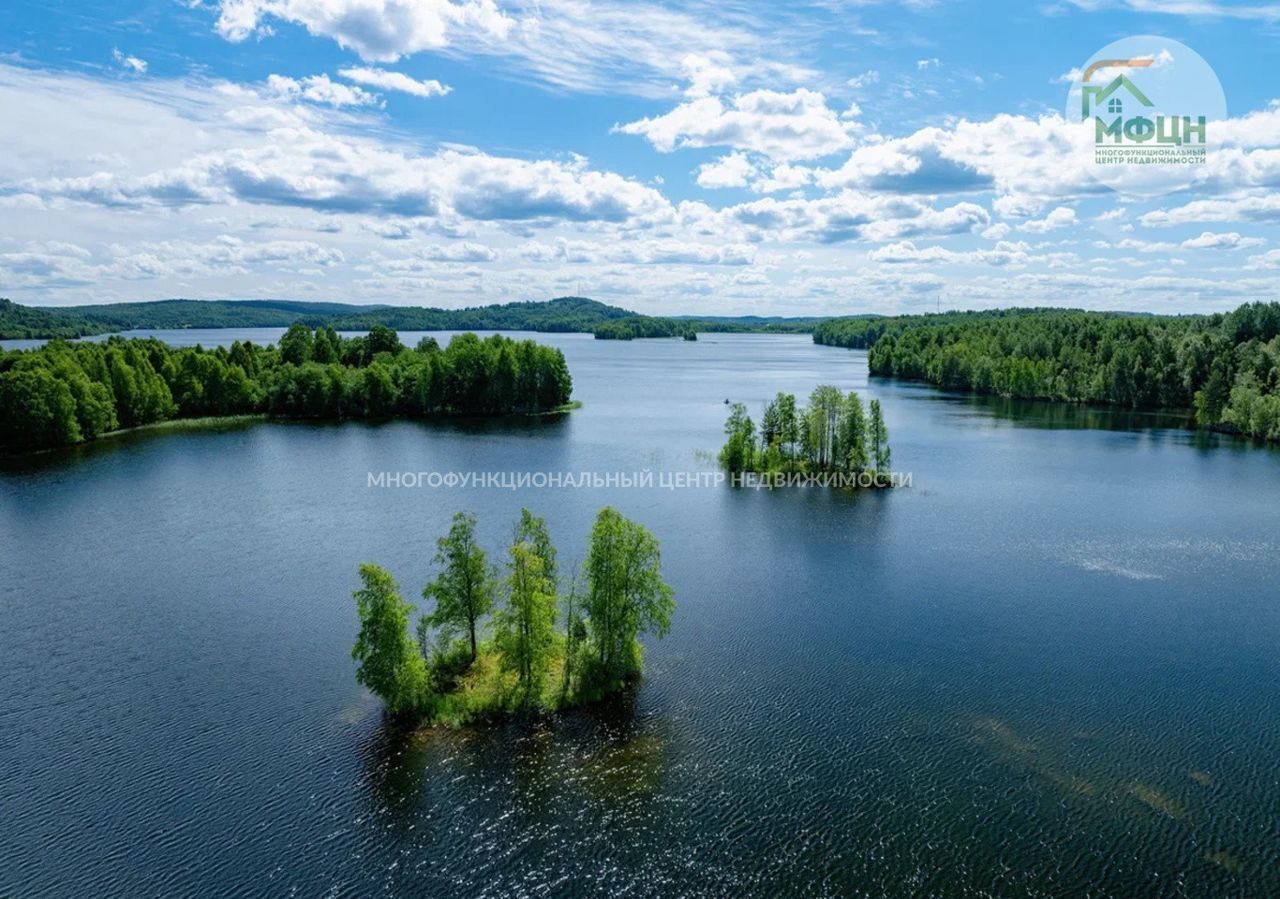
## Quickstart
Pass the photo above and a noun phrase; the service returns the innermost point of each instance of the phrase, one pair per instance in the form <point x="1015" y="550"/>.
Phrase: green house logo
<point x="1137" y="115"/>
<point x="1113" y="126"/>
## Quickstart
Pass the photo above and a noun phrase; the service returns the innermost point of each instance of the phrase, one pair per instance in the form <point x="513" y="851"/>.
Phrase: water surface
<point x="1048" y="668"/>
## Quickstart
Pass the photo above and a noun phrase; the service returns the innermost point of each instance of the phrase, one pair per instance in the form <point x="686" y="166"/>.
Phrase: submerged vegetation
<point x="835" y="433"/>
<point x="65" y="393"/>
<point x="1223" y="368"/>
<point x="515" y="641"/>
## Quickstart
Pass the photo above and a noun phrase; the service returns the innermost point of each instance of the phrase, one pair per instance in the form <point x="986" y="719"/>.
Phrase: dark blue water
<point x="1048" y="668"/>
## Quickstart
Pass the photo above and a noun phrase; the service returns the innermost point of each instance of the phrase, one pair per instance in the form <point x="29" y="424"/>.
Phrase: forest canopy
<point x="1224" y="368"/>
<point x="65" y="393"/>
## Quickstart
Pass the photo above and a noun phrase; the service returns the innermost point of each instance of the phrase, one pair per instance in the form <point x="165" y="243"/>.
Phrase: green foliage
<point x="387" y="659"/>
<point x="464" y="590"/>
<point x="1225" y="367"/>
<point x="127" y="383"/>
<point x="738" y="452"/>
<point x="560" y="314"/>
<point x="626" y="596"/>
<point x="525" y="626"/>
<point x="831" y="434"/>
<point x="529" y="665"/>
<point x="642" y="326"/>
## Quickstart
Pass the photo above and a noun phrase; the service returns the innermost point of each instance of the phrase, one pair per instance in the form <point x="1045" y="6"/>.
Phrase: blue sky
<point x="782" y="158"/>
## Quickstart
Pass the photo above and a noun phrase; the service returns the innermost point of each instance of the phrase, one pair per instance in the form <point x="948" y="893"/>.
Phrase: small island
<point x="68" y="392"/>
<point x="515" y="642"/>
<point x="833" y="435"/>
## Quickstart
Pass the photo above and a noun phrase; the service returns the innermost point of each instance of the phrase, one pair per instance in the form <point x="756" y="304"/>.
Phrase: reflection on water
<point x="1046" y="669"/>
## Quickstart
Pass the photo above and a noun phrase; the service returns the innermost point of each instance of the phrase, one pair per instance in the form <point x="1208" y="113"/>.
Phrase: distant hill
<point x="560" y="314"/>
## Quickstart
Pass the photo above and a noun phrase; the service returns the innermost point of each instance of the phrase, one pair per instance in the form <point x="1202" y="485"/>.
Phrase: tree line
<point x="1223" y="368"/>
<point x="834" y="433"/>
<point x="65" y="393"/>
<point x="644" y="326"/>
<point x="515" y="639"/>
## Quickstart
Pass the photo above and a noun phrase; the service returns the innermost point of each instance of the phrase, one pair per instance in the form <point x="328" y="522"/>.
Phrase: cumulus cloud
<point x="784" y="126"/>
<point x="395" y="81"/>
<point x="1230" y="240"/>
<point x="378" y="30"/>
<point x="319" y="89"/>
<point x="907" y="253"/>
<point x="734" y="170"/>
<point x="1061" y="217"/>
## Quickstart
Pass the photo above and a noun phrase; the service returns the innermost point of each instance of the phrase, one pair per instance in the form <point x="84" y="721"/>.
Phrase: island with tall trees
<point x="834" y="434"/>
<point x="516" y="639"/>
<point x="69" y="392"/>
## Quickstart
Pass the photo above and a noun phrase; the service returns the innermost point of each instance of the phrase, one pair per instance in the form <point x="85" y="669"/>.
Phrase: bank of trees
<point x="1224" y="368"/>
<point x="836" y="432"/>
<point x="641" y="326"/>
<point x="516" y="638"/>
<point x="65" y="393"/>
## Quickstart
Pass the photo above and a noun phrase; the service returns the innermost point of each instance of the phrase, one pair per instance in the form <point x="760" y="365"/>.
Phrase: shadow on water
<point x="549" y="425"/>
<point x="601" y="753"/>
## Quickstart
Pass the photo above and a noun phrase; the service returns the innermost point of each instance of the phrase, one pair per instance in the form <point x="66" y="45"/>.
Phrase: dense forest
<point x="563" y="314"/>
<point x="641" y="326"/>
<point x="1225" y="368"/>
<point x="515" y="640"/>
<point x="65" y="393"/>
<point x="835" y="433"/>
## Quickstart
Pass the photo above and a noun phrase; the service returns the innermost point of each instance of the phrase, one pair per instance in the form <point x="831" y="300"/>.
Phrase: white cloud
<point x="784" y="126"/>
<point x="1230" y="240"/>
<point x="1257" y="208"/>
<point x="1061" y="217"/>
<point x="869" y="77"/>
<point x="378" y="30"/>
<point x="132" y="63"/>
<point x="1267" y="260"/>
<point x="907" y="253"/>
<point x="319" y="89"/>
<point x="591" y="46"/>
<point x="709" y="74"/>
<point x="734" y="170"/>
<point x="931" y="63"/>
<point x="395" y="81"/>
<point x="1209" y="9"/>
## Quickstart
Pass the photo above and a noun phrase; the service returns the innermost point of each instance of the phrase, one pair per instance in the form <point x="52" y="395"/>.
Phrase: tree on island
<point x="626" y="595"/>
<point x="387" y="659"/>
<point x="528" y="665"/>
<point x="464" y="591"/>
<point x="525" y="627"/>
<point x="833" y="432"/>
<point x="879" y="436"/>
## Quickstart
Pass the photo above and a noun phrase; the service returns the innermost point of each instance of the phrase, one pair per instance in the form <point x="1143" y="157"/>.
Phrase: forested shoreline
<point x="516" y="640"/>
<point x="65" y="393"/>
<point x="834" y="434"/>
<point x="1223" y="368"/>
<point x="559" y="315"/>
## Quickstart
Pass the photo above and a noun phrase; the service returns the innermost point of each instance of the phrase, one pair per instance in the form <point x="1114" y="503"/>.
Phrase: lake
<point x="1047" y="668"/>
